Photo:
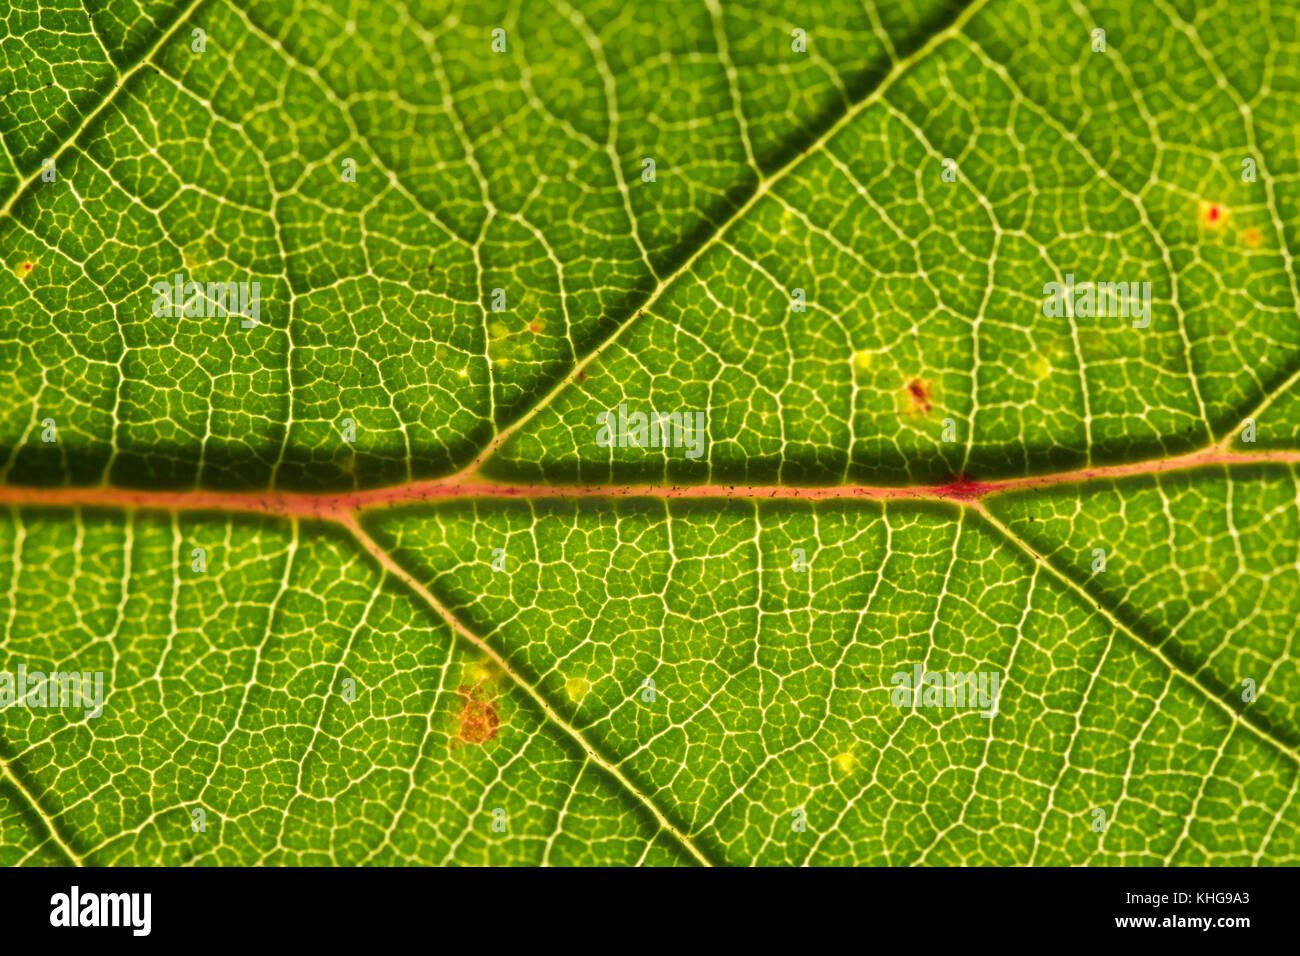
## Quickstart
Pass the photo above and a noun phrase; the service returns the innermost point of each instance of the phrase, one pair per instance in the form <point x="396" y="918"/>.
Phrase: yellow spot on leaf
<point x="481" y="673"/>
<point x="577" y="687"/>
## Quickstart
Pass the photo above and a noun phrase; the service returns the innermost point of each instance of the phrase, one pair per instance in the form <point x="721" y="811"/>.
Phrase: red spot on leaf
<point x="964" y="489"/>
<point x="1213" y="215"/>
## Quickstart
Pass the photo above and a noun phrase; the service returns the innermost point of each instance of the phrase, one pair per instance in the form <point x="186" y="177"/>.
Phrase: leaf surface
<point x="477" y="633"/>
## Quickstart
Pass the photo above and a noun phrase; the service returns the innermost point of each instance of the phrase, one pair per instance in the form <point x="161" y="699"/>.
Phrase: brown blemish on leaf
<point x="920" y="395"/>
<point x="534" y="327"/>
<point x="479" y="718"/>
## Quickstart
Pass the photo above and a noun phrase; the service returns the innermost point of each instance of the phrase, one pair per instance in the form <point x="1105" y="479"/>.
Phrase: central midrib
<point x="341" y="506"/>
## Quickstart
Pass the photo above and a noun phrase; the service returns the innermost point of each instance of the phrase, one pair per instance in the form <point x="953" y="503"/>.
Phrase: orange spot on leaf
<point x="478" y="716"/>
<point x="920" y="394"/>
<point x="1251" y="237"/>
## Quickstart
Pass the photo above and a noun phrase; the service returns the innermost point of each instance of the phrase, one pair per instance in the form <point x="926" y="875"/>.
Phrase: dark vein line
<point x="761" y="189"/>
<point x="388" y="563"/>
<point x="1238" y="719"/>
<point x="110" y="97"/>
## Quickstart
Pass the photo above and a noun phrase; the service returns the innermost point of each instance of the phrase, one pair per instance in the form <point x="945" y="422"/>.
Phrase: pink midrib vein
<point x="469" y="485"/>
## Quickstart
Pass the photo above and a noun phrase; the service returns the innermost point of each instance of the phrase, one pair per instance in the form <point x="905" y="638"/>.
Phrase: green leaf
<point x="365" y="583"/>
